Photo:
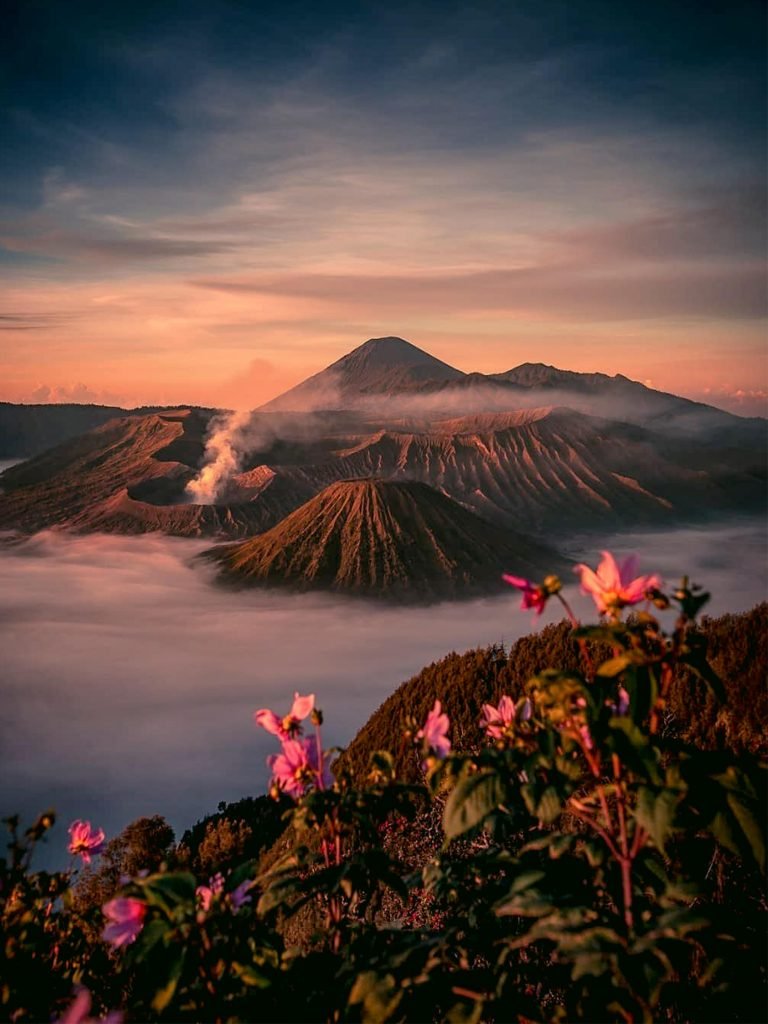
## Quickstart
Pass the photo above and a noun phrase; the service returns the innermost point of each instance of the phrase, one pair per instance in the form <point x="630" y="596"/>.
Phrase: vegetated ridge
<point x="388" y="539"/>
<point x="737" y="648"/>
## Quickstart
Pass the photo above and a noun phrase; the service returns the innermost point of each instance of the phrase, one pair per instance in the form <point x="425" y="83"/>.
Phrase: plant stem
<point x="585" y="655"/>
<point x="626" y="858"/>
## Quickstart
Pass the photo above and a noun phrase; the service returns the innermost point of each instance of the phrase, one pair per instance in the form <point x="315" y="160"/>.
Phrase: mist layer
<point x="129" y="681"/>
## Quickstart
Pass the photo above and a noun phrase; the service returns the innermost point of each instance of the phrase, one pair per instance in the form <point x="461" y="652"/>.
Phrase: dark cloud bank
<point x="129" y="681"/>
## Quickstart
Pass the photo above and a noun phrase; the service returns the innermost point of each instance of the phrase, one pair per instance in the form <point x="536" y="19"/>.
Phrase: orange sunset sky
<point x="207" y="209"/>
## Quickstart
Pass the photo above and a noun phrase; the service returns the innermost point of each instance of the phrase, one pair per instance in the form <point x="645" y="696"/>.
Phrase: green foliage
<point x="238" y="831"/>
<point x="600" y="859"/>
<point x="143" y="845"/>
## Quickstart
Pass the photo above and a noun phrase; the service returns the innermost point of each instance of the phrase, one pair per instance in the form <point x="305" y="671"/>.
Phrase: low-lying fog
<point x="129" y="681"/>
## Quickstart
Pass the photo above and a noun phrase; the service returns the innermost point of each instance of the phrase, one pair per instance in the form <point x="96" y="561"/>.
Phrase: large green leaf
<point x="544" y="802"/>
<point x="614" y="666"/>
<point x="656" y="811"/>
<point x="168" y="891"/>
<point x="472" y="799"/>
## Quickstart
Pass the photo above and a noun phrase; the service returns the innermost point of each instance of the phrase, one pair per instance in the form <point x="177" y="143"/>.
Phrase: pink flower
<point x="126" y="919"/>
<point x="621" y="707"/>
<point x="498" y="721"/>
<point x="239" y="896"/>
<point x="612" y="587"/>
<point x="296" y="768"/>
<point x="434" y="732"/>
<point x="206" y="893"/>
<point x="84" y="840"/>
<point x="77" y="1011"/>
<point x="586" y="736"/>
<point x="534" y="596"/>
<point x="288" y="726"/>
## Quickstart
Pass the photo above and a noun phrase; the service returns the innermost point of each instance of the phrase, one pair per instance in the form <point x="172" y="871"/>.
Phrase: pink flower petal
<point x="608" y="572"/>
<point x="302" y="706"/>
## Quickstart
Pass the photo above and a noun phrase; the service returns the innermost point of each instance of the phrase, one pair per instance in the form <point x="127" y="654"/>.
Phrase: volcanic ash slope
<point x="398" y="540"/>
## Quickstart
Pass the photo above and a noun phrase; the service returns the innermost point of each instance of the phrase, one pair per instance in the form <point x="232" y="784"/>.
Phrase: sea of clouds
<point x="129" y="679"/>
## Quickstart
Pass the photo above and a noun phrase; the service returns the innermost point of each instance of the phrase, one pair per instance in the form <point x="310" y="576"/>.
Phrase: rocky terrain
<point x="27" y="430"/>
<point x="397" y="540"/>
<point x="127" y="476"/>
<point x="617" y="455"/>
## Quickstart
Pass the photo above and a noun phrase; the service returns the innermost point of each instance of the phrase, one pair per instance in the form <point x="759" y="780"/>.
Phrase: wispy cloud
<point x="493" y="174"/>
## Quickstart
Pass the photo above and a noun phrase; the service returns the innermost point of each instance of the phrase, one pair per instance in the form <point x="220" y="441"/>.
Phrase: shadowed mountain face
<point x="535" y="470"/>
<point x="385" y="539"/>
<point x="27" y="430"/>
<point x="127" y="476"/>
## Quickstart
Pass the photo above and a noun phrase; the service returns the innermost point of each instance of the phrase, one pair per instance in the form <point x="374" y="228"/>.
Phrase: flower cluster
<point x="434" y="733"/>
<point x="498" y="722"/>
<point x="612" y="586"/>
<point x="207" y="895"/>
<point x="302" y="762"/>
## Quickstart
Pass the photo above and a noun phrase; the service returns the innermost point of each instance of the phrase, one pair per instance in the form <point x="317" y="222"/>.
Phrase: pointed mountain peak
<point x="394" y="352"/>
<point x="380" y="366"/>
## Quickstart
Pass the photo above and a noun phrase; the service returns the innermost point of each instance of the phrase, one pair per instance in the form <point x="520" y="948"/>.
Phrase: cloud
<point x="99" y="249"/>
<point x="558" y="291"/>
<point x="65" y="393"/>
<point x="732" y="227"/>
<point x="31" y="321"/>
<point x="129" y="681"/>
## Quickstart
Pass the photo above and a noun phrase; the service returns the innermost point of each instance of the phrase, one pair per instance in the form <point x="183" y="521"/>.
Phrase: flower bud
<point x="552" y="585"/>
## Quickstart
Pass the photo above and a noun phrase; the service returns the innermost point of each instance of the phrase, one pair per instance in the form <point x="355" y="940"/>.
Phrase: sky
<point x="207" y="202"/>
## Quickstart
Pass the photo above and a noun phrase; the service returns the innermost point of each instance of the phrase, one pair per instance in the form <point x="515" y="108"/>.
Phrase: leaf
<point x="698" y="664"/>
<point x="279" y="892"/>
<point x="379" y="995"/>
<point x="175" y="961"/>
<point x="543" y="804"/>
<point x="614" y="666"/>
<point x="465" y="1013"/>
<point x="248" y="974"/>
<point x="750" y="826"/>
<point x="169" y="891"/>
<point x="656" y="812"/>
<point x="472" y="799"/>
<point x="149" y="936"/>
<point x="383" y="764"/>
<point x="561" y="844"/>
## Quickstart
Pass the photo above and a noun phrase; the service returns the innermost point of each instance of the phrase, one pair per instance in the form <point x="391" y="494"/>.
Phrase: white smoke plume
<point x="224" y="451"/>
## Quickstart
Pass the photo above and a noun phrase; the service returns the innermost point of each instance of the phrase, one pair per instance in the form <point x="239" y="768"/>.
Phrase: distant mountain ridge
<point x="606" y="454"/>
<point x="400" y="540"/>
<point x="385" y="374"/>
<point x="28" y="429"/>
